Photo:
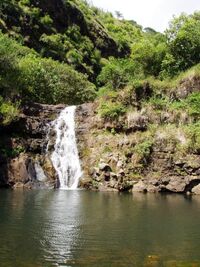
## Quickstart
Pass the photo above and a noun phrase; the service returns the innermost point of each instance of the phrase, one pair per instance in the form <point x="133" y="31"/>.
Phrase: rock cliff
<point x="111" y="161"/>
<point x="147" y="148"/>
<point x="127" y="154"/>
<point x="24" y="162"/>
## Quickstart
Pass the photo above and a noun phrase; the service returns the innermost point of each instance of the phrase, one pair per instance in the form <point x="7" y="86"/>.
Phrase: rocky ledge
<point x="127" y="162"/>
<point x="111" y="161"/>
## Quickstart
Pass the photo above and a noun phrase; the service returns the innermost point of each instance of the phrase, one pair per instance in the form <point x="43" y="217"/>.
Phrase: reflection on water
<point x="78" y="228"/>
<point x="62" y="230"/>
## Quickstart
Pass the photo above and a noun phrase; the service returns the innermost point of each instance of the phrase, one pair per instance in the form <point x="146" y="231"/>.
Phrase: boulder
<point x="140" y="187"/>
<point x="40" y="175"/>
<point x="196" y="190"/>
<point x="20" y="170"/>
<point x="176" y="185"/>
<point x="30" y="172"/>
<point x="152" y="189"/>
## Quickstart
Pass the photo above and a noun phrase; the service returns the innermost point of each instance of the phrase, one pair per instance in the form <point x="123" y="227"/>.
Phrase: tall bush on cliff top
<point x="118" y="72"/>
<point x="149" y="52"/>
<point x="48" y="81"/>
<point x="23" y="73"/>
<point x="183" y="38"/>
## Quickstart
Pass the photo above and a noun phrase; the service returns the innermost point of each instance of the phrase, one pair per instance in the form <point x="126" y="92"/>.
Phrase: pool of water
<point x="80" y="228"/>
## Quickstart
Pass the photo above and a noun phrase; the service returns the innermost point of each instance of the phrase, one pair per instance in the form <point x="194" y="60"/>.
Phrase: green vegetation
<point x="118" y="72"/>
<point x="111" y="111"/>
<point x="23" y="72"/>
<point x="144" y="148"/>
<point x="192" y="132"/>
<point x="8" y="111"/>
<point x="48" y="81"/>
<point x="12" y="153"/>
<point x="73" y="52"/>
<point x="183" y="38"/>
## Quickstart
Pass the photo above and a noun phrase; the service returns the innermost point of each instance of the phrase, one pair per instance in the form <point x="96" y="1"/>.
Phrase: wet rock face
<point x="24" y="162"/>
<point x="29" y="172"/>
<point x="160" y="175"/>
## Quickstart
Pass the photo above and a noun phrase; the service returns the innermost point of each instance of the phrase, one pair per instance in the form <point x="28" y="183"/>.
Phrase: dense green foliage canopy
<point x="64" y="51"/>
<point x="24" y="73"/>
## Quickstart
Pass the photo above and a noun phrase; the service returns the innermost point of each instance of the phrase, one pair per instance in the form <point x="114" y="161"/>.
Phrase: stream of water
<point x="65" y="156"/>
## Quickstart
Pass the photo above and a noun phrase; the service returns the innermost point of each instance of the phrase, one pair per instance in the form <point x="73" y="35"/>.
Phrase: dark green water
<point x="78" y="228"/>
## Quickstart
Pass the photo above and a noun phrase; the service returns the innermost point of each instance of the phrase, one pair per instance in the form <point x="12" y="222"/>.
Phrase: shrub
<point x="48" y="81"/>
<point x="118" y="72"/>
<point x="8" y="111"/>
<point x="24" y="73"/>
<point x="159" y="103"/>
<point x="193" y="134"/>
<point x="144" y="148"/>
<point x="111" y="110"/>
<point x="193" y="102"/>
<point x="149" y="52"/>
<point x="11" y="152"/>
<point x="10" y="54"/>
<point x="190" y="104"/>
<point x="46" y="20"/>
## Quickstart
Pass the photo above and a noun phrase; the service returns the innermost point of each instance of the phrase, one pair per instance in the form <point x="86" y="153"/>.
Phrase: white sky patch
<point x="149" y="13"/>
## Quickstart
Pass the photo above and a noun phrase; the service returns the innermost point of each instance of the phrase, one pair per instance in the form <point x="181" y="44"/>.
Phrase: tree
<point x="150" y="52"/>
<point x="183" y="38"/>
<point x="118" y="72"/>
<point x="49" y="81"/>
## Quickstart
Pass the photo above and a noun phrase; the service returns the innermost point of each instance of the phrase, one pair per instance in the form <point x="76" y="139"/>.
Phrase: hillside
<point x="143" y="87"/>
<point x="68" y="31"/>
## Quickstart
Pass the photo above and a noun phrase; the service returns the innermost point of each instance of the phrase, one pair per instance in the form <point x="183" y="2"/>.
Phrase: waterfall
<point x="65" y="157"/>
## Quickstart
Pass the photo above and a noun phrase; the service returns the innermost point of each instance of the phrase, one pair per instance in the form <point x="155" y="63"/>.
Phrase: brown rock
<point x="18" y="169"/>
<point x="18" y="186"/>
<point x="196" y="190"/>
<point x="176" y="185"/>
<point x="139" y="187"/>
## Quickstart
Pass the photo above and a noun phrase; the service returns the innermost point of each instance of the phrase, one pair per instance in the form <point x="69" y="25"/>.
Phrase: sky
<point x="149" y="13"/>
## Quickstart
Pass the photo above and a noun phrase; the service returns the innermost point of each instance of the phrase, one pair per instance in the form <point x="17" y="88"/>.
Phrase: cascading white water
<point x="65" y="157"/>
